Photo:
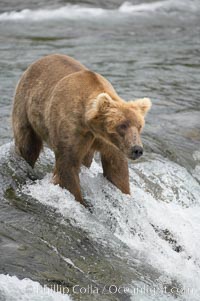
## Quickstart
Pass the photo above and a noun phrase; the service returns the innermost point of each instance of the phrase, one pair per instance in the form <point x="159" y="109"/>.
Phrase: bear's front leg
<point x="115" y="168"/>
<point x="87" y="160"/>
<point x="69" y="157"/>
<point x="66" y="175"/>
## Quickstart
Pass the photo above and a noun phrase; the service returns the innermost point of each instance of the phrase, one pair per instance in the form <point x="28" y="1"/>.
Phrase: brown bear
<point x="76" y="112"/>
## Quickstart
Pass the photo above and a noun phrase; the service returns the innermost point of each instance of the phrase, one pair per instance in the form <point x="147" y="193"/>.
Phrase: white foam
<point x="128" y="7"/>
<point x="65" y="12"/>
<point x="164" y="197"/>
<point x="165" y="5"/>
<point x="13" y="289"/>
<point x="80" y="12"/>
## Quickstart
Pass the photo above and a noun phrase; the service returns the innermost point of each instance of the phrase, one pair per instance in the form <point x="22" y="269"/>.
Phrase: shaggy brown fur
<point x="76" y="112"/>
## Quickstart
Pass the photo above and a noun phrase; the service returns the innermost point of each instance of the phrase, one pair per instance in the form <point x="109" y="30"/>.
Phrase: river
<point x="148" y="241"/>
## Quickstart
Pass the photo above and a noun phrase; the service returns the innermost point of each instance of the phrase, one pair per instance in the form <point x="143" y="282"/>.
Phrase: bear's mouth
<point x="133" y="160"/>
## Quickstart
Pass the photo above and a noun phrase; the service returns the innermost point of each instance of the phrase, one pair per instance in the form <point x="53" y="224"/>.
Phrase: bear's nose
<point x="137" y="151"/>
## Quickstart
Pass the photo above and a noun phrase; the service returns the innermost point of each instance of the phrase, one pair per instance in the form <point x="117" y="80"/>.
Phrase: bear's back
<point x="42" y="76"/>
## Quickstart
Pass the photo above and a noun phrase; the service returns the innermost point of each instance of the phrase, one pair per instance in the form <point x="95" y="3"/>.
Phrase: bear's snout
<point x="136" y="152"/>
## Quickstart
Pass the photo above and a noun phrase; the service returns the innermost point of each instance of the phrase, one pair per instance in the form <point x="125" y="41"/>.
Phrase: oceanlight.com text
<point x="111" y="290"/>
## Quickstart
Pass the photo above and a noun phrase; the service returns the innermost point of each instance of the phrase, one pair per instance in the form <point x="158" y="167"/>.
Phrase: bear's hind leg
<point x="28" y="144"/>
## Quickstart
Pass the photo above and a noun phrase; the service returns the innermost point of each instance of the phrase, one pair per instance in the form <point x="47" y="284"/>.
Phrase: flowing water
<point x="139" y="247"/>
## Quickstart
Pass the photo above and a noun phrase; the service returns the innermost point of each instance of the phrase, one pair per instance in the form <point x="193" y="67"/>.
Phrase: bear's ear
<point x="143" y="104"/>
<point x="99" y="105"/>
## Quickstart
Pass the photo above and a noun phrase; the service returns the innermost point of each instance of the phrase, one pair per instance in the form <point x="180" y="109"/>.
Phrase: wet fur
<point x="76" y="112"/>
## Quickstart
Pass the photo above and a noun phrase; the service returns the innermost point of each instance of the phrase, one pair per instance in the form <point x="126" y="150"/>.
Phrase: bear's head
<point x="118" y="122"/>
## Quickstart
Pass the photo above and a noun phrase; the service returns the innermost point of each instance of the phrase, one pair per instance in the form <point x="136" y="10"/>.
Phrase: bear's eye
<point x="123" y="126"/>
